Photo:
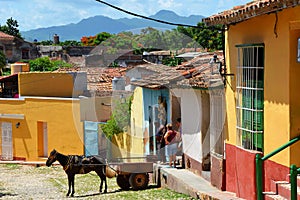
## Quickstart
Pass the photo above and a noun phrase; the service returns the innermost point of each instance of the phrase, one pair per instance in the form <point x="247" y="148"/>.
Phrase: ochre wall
<point x="281" y="106"/>
<point x="137" y="118"/>
<point x="96" y="109"/>
<point x="48" y="84"/>
<point x="294" y="91"/>
<point x="65" y="131"/>
<point x="124" y="145"/>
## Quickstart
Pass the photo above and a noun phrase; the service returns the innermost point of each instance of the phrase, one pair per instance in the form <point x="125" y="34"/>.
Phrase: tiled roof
<point x="49" y="48"/>
<point x="99" y="78"/>
<point x="162" y="76"/>
<point x="194" y="73"/>
<point x="158" y="53"/>
<point x="201" y="73"/>
<point x="249" y="10"/>
<point x="8" y="78"/>
<point x="4" y="36"/>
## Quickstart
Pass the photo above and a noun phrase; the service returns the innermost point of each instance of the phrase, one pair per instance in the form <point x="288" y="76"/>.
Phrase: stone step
<point x="274" y="196"/>
<point x="284" y="190"/>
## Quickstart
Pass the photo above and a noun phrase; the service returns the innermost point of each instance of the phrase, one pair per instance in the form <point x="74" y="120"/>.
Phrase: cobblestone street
<point x="28" y="182"/>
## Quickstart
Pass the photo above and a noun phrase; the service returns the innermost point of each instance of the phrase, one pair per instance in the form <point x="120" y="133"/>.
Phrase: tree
<point x="41" y="64"/>
<point x="45" y="64"/>
<point x="95" y="40"/>
<point x="120" y="118"/>
<point x="111" y="128"/>
<point x="101" y="37"/>
<point x="2" y="62"/>
<point x="11" y="28"/>
<point x="70" y="43"/>
<point x="209" y="38"/>
<point x="152" y="38"/>
<point x="45" y="42"/>
<point x="173" y="61"/>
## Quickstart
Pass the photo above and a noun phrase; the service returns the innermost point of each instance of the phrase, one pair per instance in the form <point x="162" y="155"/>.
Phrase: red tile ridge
<point x="4" y="35"/>
<point x="184" y="73"/>
<point x="252" y="9"/>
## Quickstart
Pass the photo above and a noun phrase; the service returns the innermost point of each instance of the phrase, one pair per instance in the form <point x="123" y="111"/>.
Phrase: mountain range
<point x="97" y="24"/>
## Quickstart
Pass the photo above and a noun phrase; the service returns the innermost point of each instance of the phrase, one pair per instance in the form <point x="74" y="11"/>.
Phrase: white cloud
<point x="165" y="3"/>
<point x="32" y="14"/>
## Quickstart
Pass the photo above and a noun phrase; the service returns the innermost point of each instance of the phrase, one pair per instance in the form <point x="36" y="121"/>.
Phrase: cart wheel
<point x="139" y="181"/>
<point x="123" y="182"/>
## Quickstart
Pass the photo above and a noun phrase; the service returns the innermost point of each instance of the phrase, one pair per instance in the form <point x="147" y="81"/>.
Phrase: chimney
<point x="56" y="39"/>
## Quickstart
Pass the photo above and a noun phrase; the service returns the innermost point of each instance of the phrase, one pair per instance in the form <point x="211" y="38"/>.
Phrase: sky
<point x="33" y="14"/>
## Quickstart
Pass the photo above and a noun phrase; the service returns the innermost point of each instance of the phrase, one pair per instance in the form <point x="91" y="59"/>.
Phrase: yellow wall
<point x="65" y="131"/>
<point x="131" y="143"/>
<point x="47" y="84"/>
<point x="19" y="67"/>
<point x="137" y="116"/>
<point x="281" y="84"/>
<point x="294" y="91"/>
<point x="96" y="109"/>
<point x="124" y="145"/>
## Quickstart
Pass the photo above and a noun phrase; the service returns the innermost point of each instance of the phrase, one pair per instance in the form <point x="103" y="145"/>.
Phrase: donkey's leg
<point x="69" y="184"/>
<point x="73" y="188"/>
<point x="102" y="178"/>
<point x="101" y="184"/>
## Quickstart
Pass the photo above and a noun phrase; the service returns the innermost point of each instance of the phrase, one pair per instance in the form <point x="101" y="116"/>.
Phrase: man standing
<point x="180" y="148"/>
<point x="171" y="140"/>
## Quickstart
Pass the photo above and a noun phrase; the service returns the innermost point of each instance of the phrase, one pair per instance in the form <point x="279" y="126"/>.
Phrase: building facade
<point x="262" y="98"/>
<point x="45" y="115"/>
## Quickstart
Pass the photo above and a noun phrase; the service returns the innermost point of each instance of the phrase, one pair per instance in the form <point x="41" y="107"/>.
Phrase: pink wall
<point x="218" y="170"/>
<point x="240" y="172"/>
<point x="274" y="171"/>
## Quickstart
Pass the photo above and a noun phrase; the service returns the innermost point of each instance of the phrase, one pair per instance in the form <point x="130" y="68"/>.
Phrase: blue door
<point x="156" y="113"/>
<point x="91" y="138"/>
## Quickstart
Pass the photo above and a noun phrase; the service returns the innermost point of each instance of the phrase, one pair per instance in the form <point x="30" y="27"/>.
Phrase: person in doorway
<point x="180" y="147"/>
<point x="171" y="140"/>
<point x="161" y="143"/>
<point x="162" y="110"/>
<point x="178" y="123"/>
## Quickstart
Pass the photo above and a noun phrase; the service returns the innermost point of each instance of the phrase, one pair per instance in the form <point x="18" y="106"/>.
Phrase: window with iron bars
<point x="250" y="96"/>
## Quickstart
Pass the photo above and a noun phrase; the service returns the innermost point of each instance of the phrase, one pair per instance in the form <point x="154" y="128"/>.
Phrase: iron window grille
<point x="250" y="96"/>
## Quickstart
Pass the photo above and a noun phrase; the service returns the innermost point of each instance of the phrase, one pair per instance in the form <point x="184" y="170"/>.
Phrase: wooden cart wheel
<point x="123" y="181"/>
<point x="139" y="181"/>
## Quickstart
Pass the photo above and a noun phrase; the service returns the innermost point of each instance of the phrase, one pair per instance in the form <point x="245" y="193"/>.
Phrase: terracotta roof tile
<point x="252" y="9"/>
<point x="194" y="73"/>
<point x="8" y="78"/>
<point x="99" y="78"/>
<point x="161" y="76"/>
<point x="4" y="36"/>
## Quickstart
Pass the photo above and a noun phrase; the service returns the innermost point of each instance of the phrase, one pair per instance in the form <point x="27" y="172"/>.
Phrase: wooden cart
<point x="134" y="175"/>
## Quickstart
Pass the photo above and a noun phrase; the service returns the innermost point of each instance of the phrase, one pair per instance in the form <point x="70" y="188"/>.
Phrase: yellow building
<point x="40" y="112"/>
<point x="262" y="51"/>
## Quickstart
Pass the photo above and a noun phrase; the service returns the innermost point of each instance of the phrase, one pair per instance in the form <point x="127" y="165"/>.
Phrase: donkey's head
<point x="52" y="158"/>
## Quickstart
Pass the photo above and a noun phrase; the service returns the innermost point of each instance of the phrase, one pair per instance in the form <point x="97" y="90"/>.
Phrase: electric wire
<point x="156" y="20"/>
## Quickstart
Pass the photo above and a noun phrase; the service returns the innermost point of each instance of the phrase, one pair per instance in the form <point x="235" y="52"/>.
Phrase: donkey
<point x="76" y="164"/>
